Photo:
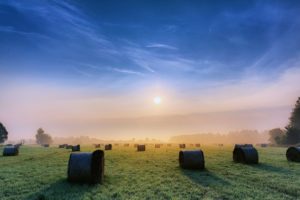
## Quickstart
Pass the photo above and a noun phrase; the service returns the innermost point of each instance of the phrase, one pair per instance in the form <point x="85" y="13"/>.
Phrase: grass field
<point x="40" y="173"/>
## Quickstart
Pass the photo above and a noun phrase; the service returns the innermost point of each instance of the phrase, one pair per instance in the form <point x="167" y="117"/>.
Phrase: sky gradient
<point x="94" y="67"/>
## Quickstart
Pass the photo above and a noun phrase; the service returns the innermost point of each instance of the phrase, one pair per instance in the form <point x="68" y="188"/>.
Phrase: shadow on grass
<point x="204" y="178"/>
<point x="270" y="168"/>
<point x="62" y="189"/>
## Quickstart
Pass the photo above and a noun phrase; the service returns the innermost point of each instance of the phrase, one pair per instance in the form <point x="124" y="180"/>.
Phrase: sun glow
<point x="157" y="100"/>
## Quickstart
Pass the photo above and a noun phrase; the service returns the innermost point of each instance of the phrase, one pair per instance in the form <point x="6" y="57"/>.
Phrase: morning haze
<point x="77" y="71"/>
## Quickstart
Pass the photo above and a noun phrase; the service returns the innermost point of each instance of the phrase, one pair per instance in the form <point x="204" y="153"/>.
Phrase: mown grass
<point x="40" y="173"/>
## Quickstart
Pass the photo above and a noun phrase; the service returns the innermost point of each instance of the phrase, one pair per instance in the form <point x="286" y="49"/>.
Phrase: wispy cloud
<point x="10" y="29"/>
<point x="163" y="46"/>
<point x="126" y="71"/>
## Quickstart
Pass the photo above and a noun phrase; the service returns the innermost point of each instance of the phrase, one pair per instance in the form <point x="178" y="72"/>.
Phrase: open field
<point x="40" y="173"/>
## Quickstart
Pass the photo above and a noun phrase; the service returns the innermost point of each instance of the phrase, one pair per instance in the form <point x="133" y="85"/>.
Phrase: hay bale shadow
<point x="64" y="190"/>
<point x="204" y="178"/>
<point x="272" y="168"/>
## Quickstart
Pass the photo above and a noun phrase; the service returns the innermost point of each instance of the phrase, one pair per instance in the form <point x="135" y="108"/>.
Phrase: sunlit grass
<point x="40" y="173"/>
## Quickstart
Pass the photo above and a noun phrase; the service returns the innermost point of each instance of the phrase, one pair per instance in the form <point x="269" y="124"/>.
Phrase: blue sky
<point x="194" y="53"/>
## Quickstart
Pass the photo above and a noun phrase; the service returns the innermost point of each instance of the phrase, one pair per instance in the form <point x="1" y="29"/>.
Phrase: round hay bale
<point x="46" y="145"/>
<point x="157" y="145"/>
<point x="182" y="146"/>
<point x="108" y="147"/>
<point x="86" y="167"/>
<point x="141" y="147"/>
<point x="10" y="151"/>
<point x="62" y="145"/>
<point x="191" y="159"/>
<point x="69" y="146"/>
<point x="76" y="148"/>
<point x="97" y="145"/>
<point x="245" y="154"/>
<point x="197" y="145"/>
<point x="293" y="154"/>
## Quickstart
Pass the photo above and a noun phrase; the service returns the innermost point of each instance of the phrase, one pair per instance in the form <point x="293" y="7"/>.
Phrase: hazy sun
<point x="157" y="100"/>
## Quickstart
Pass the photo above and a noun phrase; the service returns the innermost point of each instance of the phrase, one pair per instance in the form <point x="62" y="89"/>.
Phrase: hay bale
<point x="10" y="151"/>
<point x="62" y="145"/>
<point x="263" y="145"/>
<point x="116" y="144"/>
<point x="182" y="146"/>
<point x="108" y="147"/>
<point x="86" y="167"/>
<point x="76" y="148"/>
<point x="141" y="147"/>
<point x="126" y="145"/>
<point x="197" y="145"/>
<point x="97" y="145"/>
<point x="245" y="154"/>
<point x="69" y="146"/>
<point x="220" y="145"/>
<point x="157" y="145"/>
<point x="293" y="154"/>
<point x="46" y="145"/>
<point x="135" y="145"/>
<point x="191" y="159"/>
<point x="191" y="145"/>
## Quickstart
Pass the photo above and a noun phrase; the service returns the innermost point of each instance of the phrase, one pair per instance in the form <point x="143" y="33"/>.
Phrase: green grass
<point x="40" y="173"/>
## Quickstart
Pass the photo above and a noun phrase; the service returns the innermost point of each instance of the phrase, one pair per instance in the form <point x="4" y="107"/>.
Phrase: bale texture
<point x="76" y="148"/>
<point x="97" y="145"/>
<point x="245" y="154"/>
<point x="191" y="159"/>
<point x="141" y="147"/>
<point x="10" y="151"/>
<point x="293" y="154"/>
<point x="108" y="147"/>
<point x="197" y="145"/>
<point x="182" y="146"/>
<point x="86" y="167"/>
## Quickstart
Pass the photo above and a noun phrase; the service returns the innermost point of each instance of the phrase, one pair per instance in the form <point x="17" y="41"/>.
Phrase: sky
<point x="93" y="67"/>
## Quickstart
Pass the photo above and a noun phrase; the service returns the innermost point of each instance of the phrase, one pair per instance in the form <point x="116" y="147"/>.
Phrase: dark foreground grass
<point x="40" y="173"/>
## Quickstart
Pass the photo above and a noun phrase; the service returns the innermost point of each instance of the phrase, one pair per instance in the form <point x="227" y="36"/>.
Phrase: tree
<point x="293" y="128"/>
<point x="277" y="136"/>
<point x="43" y="138"/>
<point x="3" y="133"/>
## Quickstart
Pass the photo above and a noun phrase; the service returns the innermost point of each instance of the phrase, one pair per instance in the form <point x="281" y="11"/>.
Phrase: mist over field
<point x="76" y="69"/>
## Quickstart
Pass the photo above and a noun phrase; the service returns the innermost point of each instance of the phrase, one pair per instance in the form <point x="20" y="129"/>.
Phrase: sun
<point x="157" y="100"/>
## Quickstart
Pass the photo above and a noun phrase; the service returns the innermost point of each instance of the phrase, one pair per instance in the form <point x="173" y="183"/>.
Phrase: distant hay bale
<point x="76" y="148"/>
<point x="97" y="145"/>
<point x="108" y="147"/>
<point x="245" y="154"/>
<point x="191" y="159"/>
<point x="62" y="145"/>
<point x="126" y="145"/>
<point x="191" y="145"/>
<point x="10" y="151"/>
<point x="86" y="167"/>
<point x="157" y="145"/>
<point x="69" y="146"/>
<point x="197" y="145"/>
<point x="135" y="145"/>
<point x="45" y="145"/>
<point x="116" y="144"/>
<point x="264" y="145"/>
<point x="141" y="147"/>
<point x="182" y="146"/>
<point x="220" y="145"/>
<point x="293" y="154"/>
